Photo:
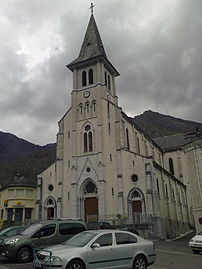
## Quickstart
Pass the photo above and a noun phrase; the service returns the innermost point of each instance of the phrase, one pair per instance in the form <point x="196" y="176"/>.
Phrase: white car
<point x="196" y="243"/>
<point x="103" y="249"/>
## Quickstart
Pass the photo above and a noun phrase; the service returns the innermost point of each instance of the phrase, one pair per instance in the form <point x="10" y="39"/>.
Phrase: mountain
<point x="156" y="124"/>
<point x="19" y="157"/>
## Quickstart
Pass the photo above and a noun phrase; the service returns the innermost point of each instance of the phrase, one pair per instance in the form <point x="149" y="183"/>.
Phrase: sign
<point x="200" y="220"/>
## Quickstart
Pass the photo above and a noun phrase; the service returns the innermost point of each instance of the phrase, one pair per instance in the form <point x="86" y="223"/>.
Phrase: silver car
<point x="98" y="249"/>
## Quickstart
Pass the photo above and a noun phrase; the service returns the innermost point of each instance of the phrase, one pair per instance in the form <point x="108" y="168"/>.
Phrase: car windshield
<point x="80" y="240"/>
<point x="31" y="229"/>
<point x="5" y="230"/>
<point x="200" y="233"/>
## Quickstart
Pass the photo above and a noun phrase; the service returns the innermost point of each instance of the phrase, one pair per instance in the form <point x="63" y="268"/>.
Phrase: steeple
<point x="92" y="49"/>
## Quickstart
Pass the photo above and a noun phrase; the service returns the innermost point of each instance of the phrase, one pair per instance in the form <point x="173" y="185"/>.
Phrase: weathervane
<point x="91" y="7"/>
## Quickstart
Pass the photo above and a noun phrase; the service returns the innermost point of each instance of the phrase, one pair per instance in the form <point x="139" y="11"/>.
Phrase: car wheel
<point x="140" y="262"/>
<point x="195" y="251"/>
<point x="24" y="255"/>
<point x="75" y="264"/>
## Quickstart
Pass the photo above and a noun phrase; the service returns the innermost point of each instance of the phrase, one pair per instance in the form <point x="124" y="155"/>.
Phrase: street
<point x="170" y="255"/>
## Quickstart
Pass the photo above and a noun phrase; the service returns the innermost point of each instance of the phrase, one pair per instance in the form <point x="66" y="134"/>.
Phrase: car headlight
<point x="11" y="241"/>
<point x="53" y="259"/>
<point x="191" y="240"/>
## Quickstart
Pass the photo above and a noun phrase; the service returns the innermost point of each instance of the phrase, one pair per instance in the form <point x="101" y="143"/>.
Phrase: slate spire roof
<point x="92" y="48"/>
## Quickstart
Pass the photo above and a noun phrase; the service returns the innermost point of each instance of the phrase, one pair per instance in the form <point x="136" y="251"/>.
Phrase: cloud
<point x="155" y="45"/>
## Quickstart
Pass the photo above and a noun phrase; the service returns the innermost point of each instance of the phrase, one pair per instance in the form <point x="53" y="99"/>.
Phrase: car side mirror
<point x="95" y="245"/>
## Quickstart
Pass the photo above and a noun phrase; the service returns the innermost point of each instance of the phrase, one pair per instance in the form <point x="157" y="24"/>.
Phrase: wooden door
<point x="137" y="211"/>
<point x="91" y="209"/>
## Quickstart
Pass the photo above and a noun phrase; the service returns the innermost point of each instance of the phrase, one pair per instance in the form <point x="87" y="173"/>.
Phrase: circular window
<point x="134" y="178"/>
<point x="88" y="170"/>
<point x="50" y="187"/>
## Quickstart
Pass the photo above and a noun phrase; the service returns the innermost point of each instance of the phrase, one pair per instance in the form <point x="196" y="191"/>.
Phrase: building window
<point x="108" y="111"/>
<point x="171" y="167"/>
<point x="90" y="188"/>
<point x="90" y="76"/>
<point x="109" y="83"/>
<point x="157" y="185"/>
<point x="106" y="78"/>
<point x="84" y="78"/>
<point x="109" y="127"/>
<point x="127" y="139"/>
<point x="110" y="157"/>
<point x="146" y="148"/>
<point x="94" y="105"/>
<point x="88" y="139"/>
<point x="81" y="108"/>
<point x="28" y="213"/>
<point x="137" y="144"/>
<point x="87" y="107"/>
<point x="166" y="191"/>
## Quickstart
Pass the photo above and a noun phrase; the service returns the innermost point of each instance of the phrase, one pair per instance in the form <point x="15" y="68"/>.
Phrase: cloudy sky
<point x="156" y="45"/>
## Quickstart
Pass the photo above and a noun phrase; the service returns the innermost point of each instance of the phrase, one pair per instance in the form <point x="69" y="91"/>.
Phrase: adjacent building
<point x="17" y="202"/>
<point x="107" y="168"/>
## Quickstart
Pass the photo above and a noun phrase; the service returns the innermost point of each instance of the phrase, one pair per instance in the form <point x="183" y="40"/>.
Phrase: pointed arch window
<point x="106" y="78"/>
<point x="127" y="139"/>
<point x="94" y="105"/>
<point x="90" y="76"/>
<point x="88" y="139"/>
<point x="84" y="83"/>
<point x="81" y="108"/>
<point x="171" y="167"/>
<point x="109" y="83"/>
<point x="87" y="107"/>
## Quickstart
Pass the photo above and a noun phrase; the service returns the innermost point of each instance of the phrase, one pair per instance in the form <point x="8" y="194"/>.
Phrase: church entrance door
<point x="137" y="210"/>
<point x="91" y="209"/>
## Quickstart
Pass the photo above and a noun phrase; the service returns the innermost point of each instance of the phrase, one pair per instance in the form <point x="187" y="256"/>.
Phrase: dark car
<point x="127" y="227"/>
<point x="39" y="235"/>
<point x="99" y="225"/>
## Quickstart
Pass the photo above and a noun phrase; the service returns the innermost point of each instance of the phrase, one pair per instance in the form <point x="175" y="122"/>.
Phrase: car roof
<point x="103" y="231"/>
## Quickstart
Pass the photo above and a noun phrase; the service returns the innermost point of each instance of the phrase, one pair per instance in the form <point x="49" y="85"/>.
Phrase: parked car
<point x="127" y="227"/>
<point x="196" y="243"/>
<point x="101" y="249"/>
<point x="94" y="225"/>
<point x="11" y="231"/>
<point x="41" y="234"/>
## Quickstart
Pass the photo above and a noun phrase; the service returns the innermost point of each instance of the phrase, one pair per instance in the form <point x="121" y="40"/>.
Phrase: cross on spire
<point x="91" y="7"/>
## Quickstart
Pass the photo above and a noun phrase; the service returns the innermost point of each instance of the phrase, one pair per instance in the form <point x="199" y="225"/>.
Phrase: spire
<point x="92" y="47"/>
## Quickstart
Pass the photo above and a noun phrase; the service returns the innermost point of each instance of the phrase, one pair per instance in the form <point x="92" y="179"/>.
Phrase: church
<point x="106" y="167"/>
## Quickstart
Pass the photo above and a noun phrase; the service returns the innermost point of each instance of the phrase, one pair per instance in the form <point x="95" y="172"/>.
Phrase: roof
<point x="92" y="49"/>
<point x="174" y="142"/>
<point x="20" y="182"/>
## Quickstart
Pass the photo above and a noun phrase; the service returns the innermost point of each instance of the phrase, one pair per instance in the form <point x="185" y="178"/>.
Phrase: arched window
<point x="84" y="78"/>
<point x="87" y="107"/>
<point x="90" y="188"/>
<point x="88" y="139"/>
<point x="127" y="140"/>
<point x="81" y="108"/>
<point x="94" y="105"/>
<point x="105" y="78"/>
<point x="171" y="167"/>
<point x="108" y="110"/>
<point x="90" y="76"/>
<point x="109" y="83"/>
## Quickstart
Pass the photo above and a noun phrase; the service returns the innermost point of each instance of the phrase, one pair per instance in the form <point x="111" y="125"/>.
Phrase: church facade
<point x="107" y="168"/>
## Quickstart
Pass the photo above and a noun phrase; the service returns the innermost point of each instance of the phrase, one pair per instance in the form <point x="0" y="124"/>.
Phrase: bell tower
<point x="92" y="70"/>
